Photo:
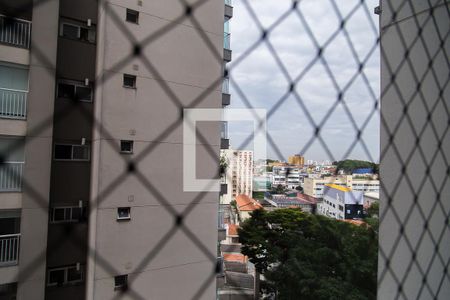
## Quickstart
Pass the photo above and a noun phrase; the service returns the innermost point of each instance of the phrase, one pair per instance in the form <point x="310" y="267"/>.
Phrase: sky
<point x="258" y="79"/>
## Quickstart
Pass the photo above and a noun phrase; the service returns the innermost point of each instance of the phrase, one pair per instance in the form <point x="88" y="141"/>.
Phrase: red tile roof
<point x="235" y="257"/>
<point x="245" y="203"/>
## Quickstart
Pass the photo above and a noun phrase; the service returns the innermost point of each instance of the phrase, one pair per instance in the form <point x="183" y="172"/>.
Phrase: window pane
<point x="126" y="146"/>
<point x="56" y="277"/>
<point x="84" y="93"/>
<point x="58" y="214"/>
<point x="66" y="90"/>
<point x="74" y="275"/>
<point x="80" y="152"/>
<point x="129" y="80"/>
<point x="87" y="35"/>
<point x="63" y="151"/>
<point x="70" y="31"/>
<point x="123" y="212"/>
<point x="120" y="281"/>
<point x="12" y="77"/>
<point x="132" y="16"/>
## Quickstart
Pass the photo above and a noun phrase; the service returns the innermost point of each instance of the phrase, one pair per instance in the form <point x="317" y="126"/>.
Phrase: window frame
<point x="130" y="11"/>
<point x="79" y="27"/>
<point x="66" y="280"/>
<point x="72" y="147"/>
<point x="119" y="218"/>
<point x="122" y="286"/>
<point x="125" y="151"/>
<point x="134" y="77"/>
<point x="66" y="220"/>
<point x="75" y="84"/>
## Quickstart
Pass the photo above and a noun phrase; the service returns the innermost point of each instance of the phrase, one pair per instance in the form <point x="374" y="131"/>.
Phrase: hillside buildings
<point x="315" y="186"/>
<point x="90" y="178"/>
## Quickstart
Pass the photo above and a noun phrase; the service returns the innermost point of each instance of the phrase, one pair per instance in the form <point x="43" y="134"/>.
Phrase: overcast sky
<point x="262" y="81"/>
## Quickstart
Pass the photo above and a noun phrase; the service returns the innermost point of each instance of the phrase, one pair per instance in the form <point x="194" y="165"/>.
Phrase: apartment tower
<point x="91" y="189"/>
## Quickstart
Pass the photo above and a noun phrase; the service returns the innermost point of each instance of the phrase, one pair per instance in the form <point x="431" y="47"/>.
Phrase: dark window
<point x="132" y="16"/>
<point x="66" y="90"/>
<point x="84" y="93"/>
<point x="87" y="35"/>
<point x="63" y="151"/>
<point x="80" y="152"/>
<point x="121" y="282"/>
<point x="126" y="146"/>
<point x="74" y="90"/>
<point x="129" y="81"/>
<point x="70" y="31"/>
<point x="74" y="275"/>
<point x="56" y="277"/>
<point x="123" y="213"/>
<point x="59" y="214"/>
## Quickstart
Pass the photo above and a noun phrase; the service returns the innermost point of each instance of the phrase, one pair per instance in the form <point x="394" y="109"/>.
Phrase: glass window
<point x="132" y="16"/>
<point x="70" y="31"/>
<point x="13" y="77"/>
<point x="120" y="282"/>
<point x="87" y="35"/>
<point x="84" y="93"/>
<point x="74" y="275"/>
<point x="80" y="152"/>
<point x="123" y="213"/>
<point x="59" y="214"/>
<point x="129" y="81"/>
<point x="56" y="277"/>
<point x="66" y="90"/>
<point x="63" y="151"/>
<point x="126" y="146"/>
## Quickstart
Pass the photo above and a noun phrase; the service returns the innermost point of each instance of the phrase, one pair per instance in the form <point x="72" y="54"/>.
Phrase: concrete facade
<point x="72" y="244"/>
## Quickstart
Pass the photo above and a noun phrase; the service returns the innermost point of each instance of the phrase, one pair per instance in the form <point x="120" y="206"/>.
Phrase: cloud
<point x="264" y="81"/>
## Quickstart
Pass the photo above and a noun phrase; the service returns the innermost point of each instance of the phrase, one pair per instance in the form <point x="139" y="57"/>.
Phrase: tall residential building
<point x="91" y="179"/>
<point x="239" y="173"/>
<point x="315" y="186"/>
<point x="297" y="160"/>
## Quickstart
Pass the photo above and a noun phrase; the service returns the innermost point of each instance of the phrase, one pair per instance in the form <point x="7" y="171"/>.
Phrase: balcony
<point x="226" y="97"/>
<point x="11" y="174"/>
<point x="15" y="32"/>
<point x="13" y="103"/>
<point x="9" y="249"/>
<point x="226" y="47"/>
<point x="228" y="12"/>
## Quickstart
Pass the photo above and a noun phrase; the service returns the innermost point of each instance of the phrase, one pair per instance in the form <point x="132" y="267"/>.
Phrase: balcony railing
<point x="13" y="103"/>
<point x="15" y="32"/>
<point x="11" y="174"/>
<point x="9" y="249"/>
<point x="226" y="41"/>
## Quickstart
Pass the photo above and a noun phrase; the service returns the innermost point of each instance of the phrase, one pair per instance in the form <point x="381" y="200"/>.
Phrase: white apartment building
<point x="341" y="203"/>
<point x="315" y="186"/>
<point x="239" y="173"/>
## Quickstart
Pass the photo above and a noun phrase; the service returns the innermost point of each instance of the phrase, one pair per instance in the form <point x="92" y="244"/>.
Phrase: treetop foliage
<point x="304" y="256"/>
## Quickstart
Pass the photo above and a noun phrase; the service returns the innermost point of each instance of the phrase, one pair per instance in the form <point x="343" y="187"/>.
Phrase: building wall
<point x="403" y="223"/>
<point x="315" y="186"/>
<point x="184" y="64"/>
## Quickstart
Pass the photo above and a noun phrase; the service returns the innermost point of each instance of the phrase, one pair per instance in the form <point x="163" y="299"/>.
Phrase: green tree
<point x="349" y="165"/>
<point x="304" y="256"/>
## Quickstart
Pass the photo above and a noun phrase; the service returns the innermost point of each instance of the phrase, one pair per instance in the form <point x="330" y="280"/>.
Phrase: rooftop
<point x="245" y="203"/>
<point x="338" y="187"/>
<point x="232" y="229"/>
<point x="234" y="257"/>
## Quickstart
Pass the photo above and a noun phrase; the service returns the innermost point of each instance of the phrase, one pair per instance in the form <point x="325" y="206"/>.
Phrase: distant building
<point x="371" y="198"/>
<point x="289" y="176"/>
<point x="261" y="183"/>
<point x="341" y="203"/>
<point x="304" y="202"/>
<point x="245" y="205"/>
<point x="297" y="160"/>
<point x="315" y="186"/>
<point x="239" y="173"/>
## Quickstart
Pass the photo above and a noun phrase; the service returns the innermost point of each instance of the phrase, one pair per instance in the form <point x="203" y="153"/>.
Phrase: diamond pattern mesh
<point x="414" y="121"/>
